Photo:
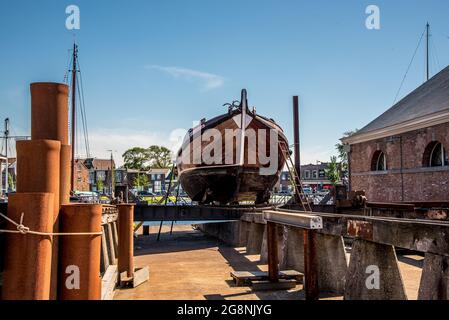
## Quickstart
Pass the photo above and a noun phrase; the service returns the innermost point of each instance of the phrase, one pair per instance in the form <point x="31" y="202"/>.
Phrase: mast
<point x="427" y="50"/>
<point x="73" y="122"/>
<point x="6" y="154"/>
<point x="244" y="104"/>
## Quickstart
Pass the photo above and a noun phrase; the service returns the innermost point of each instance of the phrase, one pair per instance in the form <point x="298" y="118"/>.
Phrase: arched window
<point x="435" y="155"/>
<point x="379" y="161"/>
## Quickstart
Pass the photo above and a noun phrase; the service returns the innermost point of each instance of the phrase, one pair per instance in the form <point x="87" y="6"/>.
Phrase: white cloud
<point x="310" y="155"/>
<point x="209" y="81"/>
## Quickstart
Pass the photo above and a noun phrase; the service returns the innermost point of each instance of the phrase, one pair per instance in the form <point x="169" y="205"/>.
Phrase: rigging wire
<point x="409" y="66"/>
<point x="435" y="52"/>
<point x="84" y="115"/>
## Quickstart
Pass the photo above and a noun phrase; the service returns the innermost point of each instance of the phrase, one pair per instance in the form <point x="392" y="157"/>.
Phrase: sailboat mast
<point x="73" y="122"/>
<point x="6" y="154"/>
<point x="427" y="51"/>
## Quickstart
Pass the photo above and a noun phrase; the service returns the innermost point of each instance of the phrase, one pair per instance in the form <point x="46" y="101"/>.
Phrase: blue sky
<point x="150" y="67"/>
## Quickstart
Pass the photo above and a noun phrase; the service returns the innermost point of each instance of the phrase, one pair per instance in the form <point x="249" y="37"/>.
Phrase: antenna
<point x="427" y="50"/>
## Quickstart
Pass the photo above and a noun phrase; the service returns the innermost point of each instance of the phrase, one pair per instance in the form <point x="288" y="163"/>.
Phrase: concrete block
<point x="332" y="263"/>
<point x="367" y="256"/>
<point x="293" y="249"/>
<point x="255" y="238"/>
<point x="435" y="278"/>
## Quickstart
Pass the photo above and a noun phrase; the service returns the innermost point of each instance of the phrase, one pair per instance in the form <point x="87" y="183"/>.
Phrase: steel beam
<point x="299" y="220"/>
<point x="187" y="213"/>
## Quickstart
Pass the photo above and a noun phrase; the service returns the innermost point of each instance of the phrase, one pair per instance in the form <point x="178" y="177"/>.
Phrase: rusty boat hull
<point x="231" y="182"/>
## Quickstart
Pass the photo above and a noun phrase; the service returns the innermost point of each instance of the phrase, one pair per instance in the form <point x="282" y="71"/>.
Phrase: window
<point x="435" y="155"/>
<point x="315" y="174"/>
<point x="379" y="161"/>
<point x="438" y="156"/>
<point x="307" y="174"/>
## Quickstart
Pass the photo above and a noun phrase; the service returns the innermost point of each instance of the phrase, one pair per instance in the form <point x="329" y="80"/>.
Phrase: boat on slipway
<point x="249" y="176"/>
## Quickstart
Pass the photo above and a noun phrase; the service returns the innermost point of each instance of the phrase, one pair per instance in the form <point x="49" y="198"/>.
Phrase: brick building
<point x="81" y="176"/>
<point x="401" y="156"/>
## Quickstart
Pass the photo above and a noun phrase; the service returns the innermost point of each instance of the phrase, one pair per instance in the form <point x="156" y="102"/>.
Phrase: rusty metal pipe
<point x="80" y="255"/>
<point x="126" y="239"/>
<point x="49" y="112"/>
<point x="65" y="172"/>
<point x="38" y="165"/>
<point x="27" y="273"/>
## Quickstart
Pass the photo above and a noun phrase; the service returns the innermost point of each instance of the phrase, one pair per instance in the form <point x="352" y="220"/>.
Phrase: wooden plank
<point x="115" y="237"/>
<point x="141" y="275"/>
<point x="111" y="246"/>
<point x="264" y="285"/>
<point x="242" y="278"/>
<point x="109" y="283"/>
<point x="104" y="252"/>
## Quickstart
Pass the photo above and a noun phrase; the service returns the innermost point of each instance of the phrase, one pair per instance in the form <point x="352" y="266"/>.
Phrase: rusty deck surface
<point x="189" y="265"/>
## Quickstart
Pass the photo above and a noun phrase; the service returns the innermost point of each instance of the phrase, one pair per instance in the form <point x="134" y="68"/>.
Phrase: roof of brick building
<point x="430" y="98"/>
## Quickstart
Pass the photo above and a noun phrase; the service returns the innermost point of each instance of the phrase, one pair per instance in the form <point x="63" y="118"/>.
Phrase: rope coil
<point x="22" y="229"/>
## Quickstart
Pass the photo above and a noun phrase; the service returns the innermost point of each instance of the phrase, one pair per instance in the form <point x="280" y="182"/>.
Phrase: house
<point x="12" y="164"/>
<point x="159" y="179"/>
<point x="100" y="174"/>
<point x="312" y="175"/>
<point x="401" y="156"/>
<point x="81" y="176"/>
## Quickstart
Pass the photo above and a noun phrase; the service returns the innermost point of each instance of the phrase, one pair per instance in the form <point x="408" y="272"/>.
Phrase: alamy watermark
<point x="73" y="21"/>
<point x="72" y="282"/>
<point x="372" y="22"/>
<point x="372" y="282"/>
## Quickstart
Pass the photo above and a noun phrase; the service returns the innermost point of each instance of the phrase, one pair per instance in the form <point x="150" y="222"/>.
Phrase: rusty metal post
<point x="79" y="261"/>
<point x="49" y="112"/>
<point x="27" y="272"/>
<point x="310" y="265"/>
<point x="296" y="135"/>
<point x="297" y="147"/>
<point x="65" y="171"/>
<point x="126" y="239"/>
<point x="38" y="164"/>
<point x="273" y="258"/>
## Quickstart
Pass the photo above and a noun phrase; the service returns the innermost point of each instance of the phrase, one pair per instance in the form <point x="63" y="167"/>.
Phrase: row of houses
<point x="313" y="176"/>
<point x="100" y="175"/>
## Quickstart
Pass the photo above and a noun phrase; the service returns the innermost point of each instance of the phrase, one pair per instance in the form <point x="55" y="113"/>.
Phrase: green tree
<point x="100" y="185"/>
<point x="10" y="182"/>
<point x="137" y="158"/>
<point x="333" y="171"/>
<point x="141" y="180"/>
<point x="160" y="157"/>
<point x="342" y="155"/>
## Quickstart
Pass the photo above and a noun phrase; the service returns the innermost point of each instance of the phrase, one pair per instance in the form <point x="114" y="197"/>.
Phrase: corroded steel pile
<point x="43" y="185"/>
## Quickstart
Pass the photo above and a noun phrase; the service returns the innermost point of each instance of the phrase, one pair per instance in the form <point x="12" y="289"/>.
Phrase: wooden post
<point x="273" y="259"/>
<point x="310" y="265"/>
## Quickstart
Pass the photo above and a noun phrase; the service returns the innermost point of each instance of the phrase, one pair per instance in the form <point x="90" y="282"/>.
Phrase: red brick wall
<point x="416" y="183"/>
<point x="81" y="177"/>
